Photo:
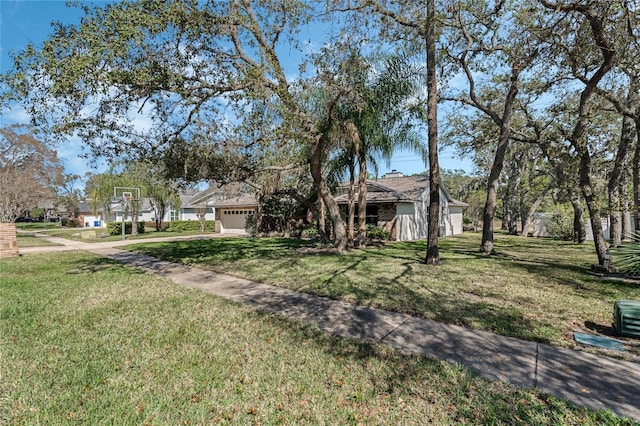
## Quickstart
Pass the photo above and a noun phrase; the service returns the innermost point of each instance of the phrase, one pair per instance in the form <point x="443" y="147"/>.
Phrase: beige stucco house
<point x="400" y="204"/>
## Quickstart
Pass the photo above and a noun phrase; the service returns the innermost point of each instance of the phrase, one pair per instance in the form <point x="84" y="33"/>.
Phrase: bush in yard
<point x="278" y="214"/>
<point x="70" y="223"/>
<point x="115" y="228"/>
<point x="191" y="225"/>
<point x="560" y="224"/>
<point x="309" y="232"/>
<point x="377" y="233"/>
<point x="152" y="225"/>
<point x="37" y="213"/>
<point x="251" y="226"/>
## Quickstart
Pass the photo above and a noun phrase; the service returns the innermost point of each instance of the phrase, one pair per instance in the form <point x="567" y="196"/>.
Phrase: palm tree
<point x="375" y="120"/>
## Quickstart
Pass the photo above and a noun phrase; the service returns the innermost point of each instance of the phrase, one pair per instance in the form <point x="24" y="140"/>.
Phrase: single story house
<point x="400" y="205"/>
<point x="231" y="214"/>
<point x="192" y="202"/>
<point x="87" y="218"/>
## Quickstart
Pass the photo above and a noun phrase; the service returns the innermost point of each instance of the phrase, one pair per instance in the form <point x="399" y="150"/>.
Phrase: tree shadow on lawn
<point x="579" y="278"/>
<point x="424" y="303"/>
<point x="221" y="249"/>
<point x="394" y="294"/>
<point x="100" y="264"/>
<point x="464" y="311"/>
<point x="454" y="390"/>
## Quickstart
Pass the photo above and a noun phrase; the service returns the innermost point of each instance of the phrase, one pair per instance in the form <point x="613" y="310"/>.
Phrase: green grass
<point x="37" y="226"/>
<point x="30" y="240"/>
<point x="535" y="289"/>
<point x="97" y="235"/>
<point x="88" y="341"/>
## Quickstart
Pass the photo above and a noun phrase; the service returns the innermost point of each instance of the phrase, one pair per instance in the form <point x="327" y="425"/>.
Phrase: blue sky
<point x="24" y="21"/>
<point x="29" y="21"/>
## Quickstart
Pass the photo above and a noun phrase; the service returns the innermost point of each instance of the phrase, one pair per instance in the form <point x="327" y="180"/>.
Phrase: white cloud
<point x="14" y="115"/>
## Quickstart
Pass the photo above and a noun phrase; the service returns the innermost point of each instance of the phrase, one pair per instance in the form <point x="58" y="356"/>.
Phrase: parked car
<point x="25" y="219"/>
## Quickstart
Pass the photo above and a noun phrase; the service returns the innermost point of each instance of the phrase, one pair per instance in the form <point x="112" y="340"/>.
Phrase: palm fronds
<point x="626" y="257"/>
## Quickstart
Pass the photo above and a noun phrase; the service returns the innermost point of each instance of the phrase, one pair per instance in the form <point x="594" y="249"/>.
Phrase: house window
<point x="372" y="215"/>
<point x="173" y="215"/>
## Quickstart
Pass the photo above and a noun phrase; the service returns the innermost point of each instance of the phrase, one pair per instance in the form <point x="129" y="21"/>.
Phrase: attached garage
<point x="232" y="214"/>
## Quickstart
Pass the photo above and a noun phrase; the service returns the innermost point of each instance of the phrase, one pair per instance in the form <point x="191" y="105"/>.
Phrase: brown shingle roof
<point x="395" y="189"/>
<point x="241" y="201"/>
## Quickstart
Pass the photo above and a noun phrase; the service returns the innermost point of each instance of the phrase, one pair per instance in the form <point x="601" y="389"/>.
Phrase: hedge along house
<point x="399" y="204"/>
<point x="231" y="214"/>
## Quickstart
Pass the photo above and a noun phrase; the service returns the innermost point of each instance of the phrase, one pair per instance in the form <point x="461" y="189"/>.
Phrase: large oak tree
<point x="30" y="172"/>
<point x="175" y="79"/>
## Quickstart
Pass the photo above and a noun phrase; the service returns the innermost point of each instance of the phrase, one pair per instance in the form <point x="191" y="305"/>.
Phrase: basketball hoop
<point x="126" y="196"/>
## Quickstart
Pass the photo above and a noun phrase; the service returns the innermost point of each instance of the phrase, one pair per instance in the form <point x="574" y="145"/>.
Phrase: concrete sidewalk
<point x="596" y="382"/>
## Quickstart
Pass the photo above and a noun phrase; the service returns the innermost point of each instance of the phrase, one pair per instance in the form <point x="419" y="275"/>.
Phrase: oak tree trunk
<point x="635" y="173"/>
<point x="526" y="223"/>
<point x="433" y="225"/>
<point x="579" y="227"/>
<point x="615" y="180"/>
<point x="339" y="236"/>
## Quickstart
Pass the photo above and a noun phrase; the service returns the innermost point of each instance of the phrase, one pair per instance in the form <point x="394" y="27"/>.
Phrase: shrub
<point x="377" y="233"/>
<point x="115" y="228"/>
<point x="278" y="214"/>
<point x="191" y="225"/>
<point x="251" y="226"/>
<point x="560" y="224"/>
<point x="151" y="224"/>
<point x="71" y="223"/>
<point x="310" y="232"/>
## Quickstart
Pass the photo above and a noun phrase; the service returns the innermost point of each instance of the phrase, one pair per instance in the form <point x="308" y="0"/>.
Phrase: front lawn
<point x="88" y="341"/>
<point x="534" y="289"/>
<point x="96" y="235"/>
<point x="31" y="240"/>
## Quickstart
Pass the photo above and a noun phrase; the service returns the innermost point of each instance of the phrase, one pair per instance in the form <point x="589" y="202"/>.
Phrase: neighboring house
<point x="400" y="205"/>
<point x="232" y="213"/>
<point x="145" y="212"/>
<point x="88" y="219"/>
<point x="192" y="202"/>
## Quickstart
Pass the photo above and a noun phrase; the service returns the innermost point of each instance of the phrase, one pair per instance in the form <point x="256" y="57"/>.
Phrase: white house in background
<point x="192" y="203"/>
<point x="400" y="205"/>
<point x="88" y="219"/>
<point x="232" y="213"/>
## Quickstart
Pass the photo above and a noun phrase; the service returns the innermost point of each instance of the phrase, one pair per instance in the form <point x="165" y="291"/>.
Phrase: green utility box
<point x="626" y="317"/>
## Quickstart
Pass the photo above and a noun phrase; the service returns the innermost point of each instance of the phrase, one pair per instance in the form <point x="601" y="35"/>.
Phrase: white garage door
<point x="233" y="221"/>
